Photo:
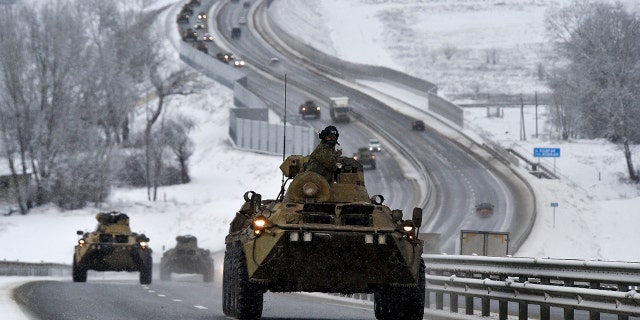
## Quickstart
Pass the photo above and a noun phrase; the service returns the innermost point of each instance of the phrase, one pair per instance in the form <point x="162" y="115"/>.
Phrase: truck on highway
<point x="339" y="109"/>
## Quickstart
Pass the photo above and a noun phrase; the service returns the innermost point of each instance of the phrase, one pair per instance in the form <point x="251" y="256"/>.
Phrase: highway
<point x="456" y="178"/>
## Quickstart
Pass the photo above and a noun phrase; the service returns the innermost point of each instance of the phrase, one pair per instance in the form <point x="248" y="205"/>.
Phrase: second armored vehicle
<point x="186" y="257"/>
<point x="322" y="237"/>
<point x="112" y="247"/>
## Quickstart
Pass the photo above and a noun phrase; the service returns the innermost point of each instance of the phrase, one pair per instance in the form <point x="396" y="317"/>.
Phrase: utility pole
<point x="536" y="98"/>
<point x="523" y="134"/>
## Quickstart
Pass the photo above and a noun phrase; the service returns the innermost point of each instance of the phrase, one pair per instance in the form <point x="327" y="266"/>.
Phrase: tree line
<point x="595" y="81"/>
<point x="74" y="77"/>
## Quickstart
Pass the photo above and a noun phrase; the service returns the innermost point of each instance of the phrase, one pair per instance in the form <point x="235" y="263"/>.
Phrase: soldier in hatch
<point x="324" y="158"/>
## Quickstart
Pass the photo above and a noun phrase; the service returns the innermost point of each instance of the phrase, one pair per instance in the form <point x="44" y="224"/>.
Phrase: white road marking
<point x="201" y="307"/>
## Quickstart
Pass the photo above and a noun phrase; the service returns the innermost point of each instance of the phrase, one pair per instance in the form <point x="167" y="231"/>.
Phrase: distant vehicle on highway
<point x="237" y="62"/>
<point x="242" y="20"/>
<point x="235" y="33"/>
<point x="339" y="109"/>
<point x="417" y="125"/>
<point x="207" y="37"/>
<point x="182" y="18"/>
<point x="200" y="45"/>
<point x="190" y="34"/>
<point x="199" y="25"/>
<point x="202" y="16"/>
<point x="484" y="209"/>
<point x="309" y="108"/>
<point x="374" y="145"/>
<point x="225" y="57"/>
<point x="273" y="60"/>
<point x="365" y="157"/>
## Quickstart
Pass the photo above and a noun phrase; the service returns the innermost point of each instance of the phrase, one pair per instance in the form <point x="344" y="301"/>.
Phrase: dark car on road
<point x="235" y="33"/>
<point x="417" y="125"/>
<point x="365" y="157"/>
<point x="484" y="209"/>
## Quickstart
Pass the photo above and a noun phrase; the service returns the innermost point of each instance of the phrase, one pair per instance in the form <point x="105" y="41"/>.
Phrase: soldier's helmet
<point x="329" y="134"/>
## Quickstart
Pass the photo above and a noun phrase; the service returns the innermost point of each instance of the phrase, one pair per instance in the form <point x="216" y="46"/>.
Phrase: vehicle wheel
<point x="401" y="303"/>
<point x="228" y="296"/>
<point x="248" y="297"/>
<point x="146" y="272"/>
<point x="79" y="274"/>
<point x="207" y="272"/>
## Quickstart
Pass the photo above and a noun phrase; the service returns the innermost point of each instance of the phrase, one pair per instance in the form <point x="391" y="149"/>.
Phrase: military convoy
<point x="321" y="237"/>
<point x="186" y="257"/>
<point x="112" y="247"/>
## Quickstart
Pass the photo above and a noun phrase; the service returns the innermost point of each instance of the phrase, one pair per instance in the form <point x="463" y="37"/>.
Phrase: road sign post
<point x="547" y="153"/>
<point x="554" y="205"/>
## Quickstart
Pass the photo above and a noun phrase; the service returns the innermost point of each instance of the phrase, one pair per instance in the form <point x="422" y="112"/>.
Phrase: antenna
<point x="284" y="136"/>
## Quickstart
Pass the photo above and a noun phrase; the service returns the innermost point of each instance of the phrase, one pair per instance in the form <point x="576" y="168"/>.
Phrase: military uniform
<point x="324" y="158"/>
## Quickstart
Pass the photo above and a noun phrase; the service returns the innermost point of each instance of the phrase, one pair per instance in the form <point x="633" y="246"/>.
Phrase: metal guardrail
<point x="593" y="286"/>
<point x="16" y="268"/>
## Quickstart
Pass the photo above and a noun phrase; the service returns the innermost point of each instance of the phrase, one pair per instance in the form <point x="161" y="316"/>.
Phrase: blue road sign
<point x="546" y="152"/>
<point x="554" y="204"/>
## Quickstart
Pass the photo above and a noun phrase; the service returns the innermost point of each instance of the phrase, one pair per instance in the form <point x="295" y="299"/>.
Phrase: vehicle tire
<point x="228" y="292"/>
<point x="79" y="274"/>
<point x="207" y="272"/>
<point x="146" y="271"/>
<point x="401" y="303"/>
<point x="248" y="296"/>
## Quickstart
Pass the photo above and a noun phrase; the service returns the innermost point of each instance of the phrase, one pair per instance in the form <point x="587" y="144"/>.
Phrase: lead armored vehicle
<point x="112" y="247"/>
<point x="321" y="237"/>
<point x="186" y="257"/>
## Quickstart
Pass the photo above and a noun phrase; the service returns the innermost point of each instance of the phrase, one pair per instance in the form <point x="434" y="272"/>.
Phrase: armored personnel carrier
<point x="112" y="247"/>
<point x="365" y="157"/>
<point x="309" y="108"/>
<point x="186" y="257"/>
<point x="321" y="237"/>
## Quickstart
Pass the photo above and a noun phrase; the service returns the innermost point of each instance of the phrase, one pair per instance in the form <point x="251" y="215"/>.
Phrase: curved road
<point x="460" y="177"/>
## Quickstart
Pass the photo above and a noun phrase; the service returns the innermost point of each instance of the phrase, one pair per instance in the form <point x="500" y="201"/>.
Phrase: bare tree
<point x="177" y="139"/>
<point x="599" y="46"/>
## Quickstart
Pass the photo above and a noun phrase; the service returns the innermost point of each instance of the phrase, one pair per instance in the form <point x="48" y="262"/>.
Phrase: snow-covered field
<point x="594" y="220"/>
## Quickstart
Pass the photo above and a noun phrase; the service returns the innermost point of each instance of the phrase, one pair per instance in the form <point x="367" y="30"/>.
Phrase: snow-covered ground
<point x="594" y="219"/>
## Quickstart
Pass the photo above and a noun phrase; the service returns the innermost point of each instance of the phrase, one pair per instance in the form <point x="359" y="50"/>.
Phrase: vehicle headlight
<point x="409" y="229"/>
<point x="143" y="244"/>
<point x="81" y="242"/>
<point x="260" y="222"/>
